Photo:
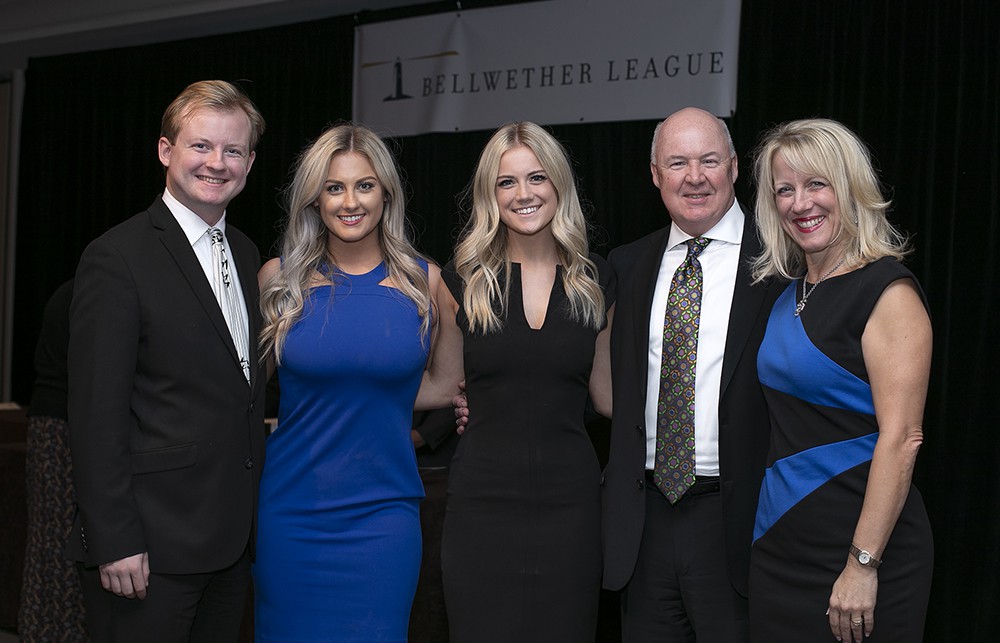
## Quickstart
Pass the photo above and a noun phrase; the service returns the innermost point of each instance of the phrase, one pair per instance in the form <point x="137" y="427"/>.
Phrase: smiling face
<point x="351" y="201"/>
<point x="808" y="210"/>
<point x="208" y="163"/>
<point x="694" y="170"/>
<point x="524" y="193"/>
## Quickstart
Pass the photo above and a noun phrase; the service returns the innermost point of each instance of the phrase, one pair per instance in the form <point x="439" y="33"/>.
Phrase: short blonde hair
<point x="824" y="148"/>
<point x="210" y="94"/>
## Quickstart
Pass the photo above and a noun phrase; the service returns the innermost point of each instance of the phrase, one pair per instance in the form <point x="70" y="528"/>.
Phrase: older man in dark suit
<point x="166" y="391"/>
<point x="690" y="428"/>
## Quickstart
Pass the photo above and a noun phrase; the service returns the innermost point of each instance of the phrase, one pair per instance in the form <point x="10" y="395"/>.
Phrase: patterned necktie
<point x="225" y="293"/>
<point x="673" y="470"/>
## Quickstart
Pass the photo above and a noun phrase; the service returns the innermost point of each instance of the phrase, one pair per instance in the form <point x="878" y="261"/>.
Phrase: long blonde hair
<point x="482" y="259"/>
<point x="825" y="148"/>
<point x="304" y="243"/>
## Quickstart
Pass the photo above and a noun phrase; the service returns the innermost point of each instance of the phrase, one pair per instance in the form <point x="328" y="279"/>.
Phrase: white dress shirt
<point x="719" y="262"/>
<point x="196" y="231"/>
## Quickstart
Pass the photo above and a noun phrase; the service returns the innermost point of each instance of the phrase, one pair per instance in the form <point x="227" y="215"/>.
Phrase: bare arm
<point x="445" y="368"/>
<point x="600" y="372"/>
<point x="897" y="350"/>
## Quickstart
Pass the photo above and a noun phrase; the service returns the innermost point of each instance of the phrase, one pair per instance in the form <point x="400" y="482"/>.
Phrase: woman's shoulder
<point x="859" y="290"/>
<point x="887" y="266"/>
<point x="881" y="272"/>
<point x="433" y="273"/>
<point x="269" y="269"/>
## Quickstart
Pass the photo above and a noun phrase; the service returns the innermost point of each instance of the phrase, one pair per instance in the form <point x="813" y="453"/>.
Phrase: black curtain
<point x="918" y="81"/>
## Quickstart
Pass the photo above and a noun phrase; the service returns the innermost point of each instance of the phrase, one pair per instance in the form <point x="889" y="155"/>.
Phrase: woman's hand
<point x="852" y="602"/>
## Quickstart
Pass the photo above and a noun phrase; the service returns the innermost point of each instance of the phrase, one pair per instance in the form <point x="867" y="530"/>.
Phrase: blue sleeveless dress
<point x="338" y="536"/>
<point x="823" y="433"/>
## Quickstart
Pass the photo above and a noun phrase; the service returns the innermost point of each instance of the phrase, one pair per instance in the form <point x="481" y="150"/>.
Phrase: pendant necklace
<point x="805" y="293"/>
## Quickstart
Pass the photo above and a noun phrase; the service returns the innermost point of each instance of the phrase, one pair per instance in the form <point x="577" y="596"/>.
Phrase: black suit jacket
<point x="743" y="419"/>
<point x="167" y="437"/>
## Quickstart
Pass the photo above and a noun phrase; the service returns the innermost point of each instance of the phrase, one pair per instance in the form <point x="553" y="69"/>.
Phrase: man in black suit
<point x="166" y="391"/>
<point x="683" y="565"/>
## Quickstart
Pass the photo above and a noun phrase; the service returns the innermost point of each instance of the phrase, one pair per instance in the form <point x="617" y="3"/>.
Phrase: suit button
<point x="251" y="407"/>
<point x="639" y="483"/>
<point x="248" y="463"/>
<point x="638" y="427"/>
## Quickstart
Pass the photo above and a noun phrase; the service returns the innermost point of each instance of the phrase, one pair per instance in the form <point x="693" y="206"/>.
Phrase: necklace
<point x="805" y="293"/>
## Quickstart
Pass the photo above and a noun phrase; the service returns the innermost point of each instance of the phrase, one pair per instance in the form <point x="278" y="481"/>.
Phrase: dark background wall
<point x="918" y="81"/>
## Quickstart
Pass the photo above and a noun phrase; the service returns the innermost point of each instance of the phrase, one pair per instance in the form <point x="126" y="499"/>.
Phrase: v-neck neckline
<point x="548" y="303"/>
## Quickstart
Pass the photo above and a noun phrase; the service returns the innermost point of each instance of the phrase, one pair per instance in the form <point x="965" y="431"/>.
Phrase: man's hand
<point x="461" y="405"/>
<point x="127" y="577"/>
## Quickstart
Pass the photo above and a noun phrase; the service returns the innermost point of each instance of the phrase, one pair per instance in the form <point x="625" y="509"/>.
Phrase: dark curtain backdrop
<point x="918" y="81"/>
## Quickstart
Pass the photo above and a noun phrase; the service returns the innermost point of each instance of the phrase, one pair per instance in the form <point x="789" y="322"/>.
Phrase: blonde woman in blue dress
<point x="348" y="317"/>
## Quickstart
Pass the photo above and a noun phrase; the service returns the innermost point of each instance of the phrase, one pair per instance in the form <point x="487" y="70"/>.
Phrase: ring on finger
<point x="856" y="622"/>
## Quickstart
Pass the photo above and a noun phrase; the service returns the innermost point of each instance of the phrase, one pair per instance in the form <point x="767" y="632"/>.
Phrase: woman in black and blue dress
<point x="842" y="545"/>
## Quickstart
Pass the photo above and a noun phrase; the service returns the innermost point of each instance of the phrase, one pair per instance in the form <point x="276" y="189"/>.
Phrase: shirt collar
<point x="194" y="227"/>
<point x="729" y="229"/>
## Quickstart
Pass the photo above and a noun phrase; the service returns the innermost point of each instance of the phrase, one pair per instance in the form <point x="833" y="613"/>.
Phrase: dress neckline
<point x="548" y="304"/>
<point x="338" y="277"/>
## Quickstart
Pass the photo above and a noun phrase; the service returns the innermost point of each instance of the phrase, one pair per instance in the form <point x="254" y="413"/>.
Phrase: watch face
<point x="864" y="557"/>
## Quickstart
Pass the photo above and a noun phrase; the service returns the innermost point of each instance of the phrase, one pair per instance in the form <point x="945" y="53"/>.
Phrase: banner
<point x="555" y="61"/>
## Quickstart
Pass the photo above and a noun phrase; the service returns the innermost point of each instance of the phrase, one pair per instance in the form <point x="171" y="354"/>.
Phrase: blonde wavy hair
<point x="482" y="259"/>
<point x="827" y="149"/>
<point x="304" y="242"/>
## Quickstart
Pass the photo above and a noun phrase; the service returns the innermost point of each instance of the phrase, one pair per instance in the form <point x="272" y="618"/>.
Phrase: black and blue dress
<point x="823" y="434"/>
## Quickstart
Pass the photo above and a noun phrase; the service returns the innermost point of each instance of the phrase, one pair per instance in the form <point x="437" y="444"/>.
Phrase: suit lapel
<point x="748" y="302"/>
<point x="647" y="268"/>
<point x="180" y="250"/>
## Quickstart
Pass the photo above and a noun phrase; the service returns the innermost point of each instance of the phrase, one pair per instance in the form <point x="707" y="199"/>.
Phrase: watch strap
<point x="864" y="557"/>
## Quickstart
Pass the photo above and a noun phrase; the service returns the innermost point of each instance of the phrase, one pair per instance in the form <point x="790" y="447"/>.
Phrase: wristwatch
<point x="865" y="558"/>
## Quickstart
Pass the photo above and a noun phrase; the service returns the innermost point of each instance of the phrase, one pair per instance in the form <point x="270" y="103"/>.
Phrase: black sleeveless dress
<point x="521" y="549"/>
<point x="823" y="433"/>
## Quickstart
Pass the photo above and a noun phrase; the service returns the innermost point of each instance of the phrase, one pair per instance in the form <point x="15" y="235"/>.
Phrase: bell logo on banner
<point x="460" y="71"/>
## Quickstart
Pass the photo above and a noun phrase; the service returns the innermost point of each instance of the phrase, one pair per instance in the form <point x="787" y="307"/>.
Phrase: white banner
<point x="556" y="61"/>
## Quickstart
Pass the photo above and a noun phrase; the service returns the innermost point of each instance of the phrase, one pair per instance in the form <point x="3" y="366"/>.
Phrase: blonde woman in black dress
<point x="527" y="311"/>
